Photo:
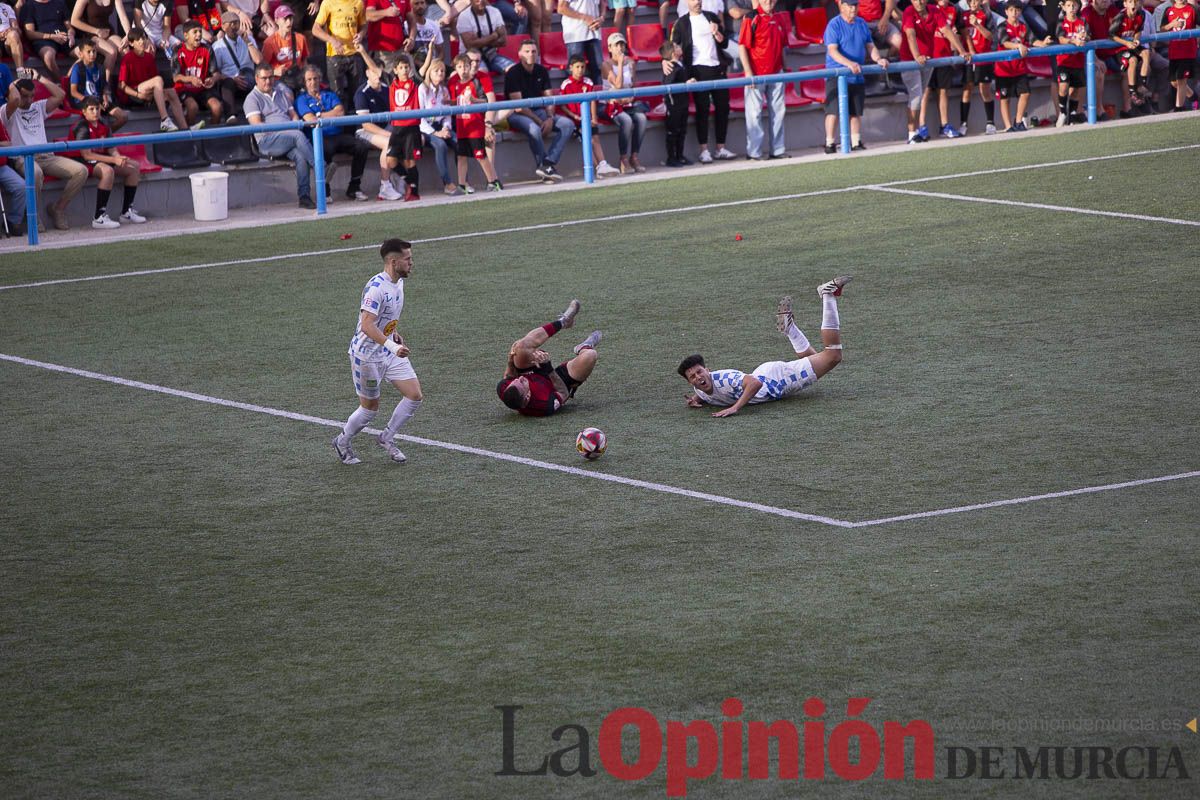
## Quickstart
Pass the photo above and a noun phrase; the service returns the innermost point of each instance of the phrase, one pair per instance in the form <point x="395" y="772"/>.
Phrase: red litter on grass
<point x="346" y="236"/>
<point x="737" y="238"/>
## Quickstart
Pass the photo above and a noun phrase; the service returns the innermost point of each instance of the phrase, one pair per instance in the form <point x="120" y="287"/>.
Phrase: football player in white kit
<point x="378" y="354"/>
<point x="772" y="380"/>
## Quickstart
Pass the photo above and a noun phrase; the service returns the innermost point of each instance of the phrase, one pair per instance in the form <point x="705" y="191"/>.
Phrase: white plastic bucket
<point x="210" y="195"/>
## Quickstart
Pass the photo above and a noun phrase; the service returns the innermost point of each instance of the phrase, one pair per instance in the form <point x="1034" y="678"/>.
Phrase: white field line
<point x="530" y="462"/>
<point x="592" y="220"/>
<point x="1042" y="206"/>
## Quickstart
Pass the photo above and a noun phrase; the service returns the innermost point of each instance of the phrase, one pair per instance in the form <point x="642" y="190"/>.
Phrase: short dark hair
<point x="136" y="33"/>
<point x="689" y="362"/>
<point x="191" y="25"/>
<point x="26" y="85"/>
<point x="667" y="49"/>
<point x="264" y="66"/>
<point x="85" y="42"/>
<point x="393" y="246"/>
<point x="513" y="397"/>
<point x="1015" y="4"/>
<point x="576" y="59"/>
<point x="89" y="101"/>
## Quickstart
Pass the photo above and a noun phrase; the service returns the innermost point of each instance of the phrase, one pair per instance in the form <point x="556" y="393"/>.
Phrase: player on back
<point x="532" y="387"/>
<point x="378" y="353"/>
<point x="772" y="380"/>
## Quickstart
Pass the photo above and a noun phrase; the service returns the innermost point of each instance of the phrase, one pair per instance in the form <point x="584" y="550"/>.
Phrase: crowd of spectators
<point x="200" y="63"/>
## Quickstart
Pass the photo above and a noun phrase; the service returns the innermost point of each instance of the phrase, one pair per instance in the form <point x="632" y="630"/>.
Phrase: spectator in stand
<point x="526" y="80"/>
<point x="474" y="131"/>
<point x="581" y="21"/>
<point x="49" y="33"/>
<point x="918" y="26"/>
<point x="93" y="18"/>
<point x="107" y="165"/>
<point x="25" y="120"/>
<point x="271" y="102"/>
<point x="10" y="33"/>
<point x="154" y="17"/>
<point x="1033" y="12"/>
<point x="623" y="12"/>
<point x="208" y="14"/>
<point x="848" y="43"/>
<point x="578" y="82"/>
<point x="372" y="98"/>
<point x="342" y="24"/>
<point x="1181" y="52"/>
<point x="701" y="36"/>
<point x="139" y="84"/>
<point x="1133" y="58"/>
<point x="499" y="118"/>
<point x="386" y="22"/>
<point x="87" y="78"/>
<point x="235" y="56"/>
<point x="878" y="15"/>
<point x="946" y="43"/>
<point x="1099" y="16"/>
<point x="425" y="39"/>
<point x="252" y="15"/>
<point x="628" y="114"/>
<point x="1012" y="77"/>
<point x="404" y="144"/>
<point x="674" y="72"/>
<point x="481" y="27"/>
<point x="438" y="132"/>
<point x="980" y="35"/>
<point x="760" y="46"/>
<point x="13" y="187"/>
<point x="285" y="48"/>
<point x="315" y="104"/>
<point x="194" y="79"/>
<point x="717" y="7"/>
<point x="1072" y="79"/>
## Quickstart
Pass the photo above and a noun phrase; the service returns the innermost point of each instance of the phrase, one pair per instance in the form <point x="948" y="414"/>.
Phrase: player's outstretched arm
<point x="693" y="401"/>
<point x="750" y="387"/>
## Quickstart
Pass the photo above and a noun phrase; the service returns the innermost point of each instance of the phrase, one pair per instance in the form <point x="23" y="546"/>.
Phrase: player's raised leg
<point x="786" y="324"/>
<point x="831" y="333"/>
<point x="581" y="366"/>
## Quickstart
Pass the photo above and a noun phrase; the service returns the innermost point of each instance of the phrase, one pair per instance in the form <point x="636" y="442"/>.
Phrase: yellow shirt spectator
<point x="343" y="19"/>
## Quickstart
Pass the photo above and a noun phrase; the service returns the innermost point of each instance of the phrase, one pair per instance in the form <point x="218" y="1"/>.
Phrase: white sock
<point x="796" y="336"/>
<point x="855" y="138"/>
<point x="360" y="419"/>
<point x="829" y="313"/>
<point x="404" y="411"/>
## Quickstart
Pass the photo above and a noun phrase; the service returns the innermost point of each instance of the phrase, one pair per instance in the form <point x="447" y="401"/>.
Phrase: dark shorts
<point x="942" y="78"/>
<point x="1074" y="77"/>
<point x="1010" y="87"/>
<point x="1125" y="57"/>
<point x="856" y="95"/>
<point x="473" y="147"/>
<point x="1181" y="69"/>
<point x="202" y="97"/>
<point x="979" y="73"/>
<point x="570" y="382"/>
<point x="405" y="143"/>
<point x="42" y="44"/>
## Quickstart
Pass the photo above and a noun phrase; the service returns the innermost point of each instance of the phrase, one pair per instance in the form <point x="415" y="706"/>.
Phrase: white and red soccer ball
<point x="591" y="443"/>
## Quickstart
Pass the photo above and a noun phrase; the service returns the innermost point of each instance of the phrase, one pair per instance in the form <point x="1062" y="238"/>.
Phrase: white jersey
<point x="385" y="300"/>
<point x="779" y="379"/>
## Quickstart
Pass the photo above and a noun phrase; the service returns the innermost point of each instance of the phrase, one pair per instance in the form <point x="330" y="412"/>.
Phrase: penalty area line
<point x="477" y="451"/>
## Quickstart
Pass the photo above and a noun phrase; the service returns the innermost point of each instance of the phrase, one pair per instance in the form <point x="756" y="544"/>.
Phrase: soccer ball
<point x="591" y="443"/>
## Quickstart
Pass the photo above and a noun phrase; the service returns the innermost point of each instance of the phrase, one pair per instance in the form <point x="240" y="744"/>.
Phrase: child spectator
<point x="10" y="35"/>
<point x="372" y="98"/>
<point x="438" y="132"/>
<point x="139" y="84"/>
<point x="945" y="44"/>
<point x="1012" y="77"/>
<point x="627" y="114"/>
<point x="475" y="131"/>
<point x="1099" y="16"/>
<point x="1071" y="78"/>
<point x="49" y="33"/>
<point x="578" y="82"/>
<point x="1181" y="52"/>
<point x="88" y="79"/>
<point x="285" y="49"/>
<point x="314" y="104"/>
<point x="1133" y="58"/>
<point x="93" y="19"/>
<point x="674" y="72"/>
<point x="760" y="46"/>
<point x="848" y="42"/>
<point x="193" y="77"/>
<point x="980" y="38"/>
<point x="404" y="146"/>
<point x="106" y="164"/>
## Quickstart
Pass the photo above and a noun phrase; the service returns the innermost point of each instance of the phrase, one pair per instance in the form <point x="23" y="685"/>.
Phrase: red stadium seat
<point x="811" y="91"/>
<point x="512" y="44"/>
<point x="138" y="153"/>
<point x="653" y="101"/>
<point x="811" y="24"/>
<point x="554" y="50"/>
<point x="785" y="21"/>
<point x="644" y="41"/>
<point x="1040" y="66"/>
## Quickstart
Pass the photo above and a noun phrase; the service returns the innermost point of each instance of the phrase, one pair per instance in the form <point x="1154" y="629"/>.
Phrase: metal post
<point x="1090" y="67"/>
<point x="585" y="125"/>
<point x="318" y="140"/>
<point x="31" y="209"/>
<point x="843" y="87"/>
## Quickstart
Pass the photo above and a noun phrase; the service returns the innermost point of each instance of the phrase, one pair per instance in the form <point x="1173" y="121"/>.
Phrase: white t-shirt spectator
<point x="152" y="21"/>
<point x="434" y="98"/>
<point x="26" y="126"/>
<point x="576" y="30"/>
<point x="482" y="25"/>
<point x="429" y="33"/>
<point x="247" y="7"/>
<point x="704" y="46"/>
<point x="712" y="6"/>
<point x="8" y="19"/>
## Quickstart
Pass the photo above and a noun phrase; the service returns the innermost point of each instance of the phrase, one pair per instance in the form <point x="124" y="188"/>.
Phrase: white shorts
<point x="785" y="378"/>
<point x="369" y="375"/>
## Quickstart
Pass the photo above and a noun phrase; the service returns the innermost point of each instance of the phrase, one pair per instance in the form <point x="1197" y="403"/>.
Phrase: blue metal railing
<point x="842" y="74"/>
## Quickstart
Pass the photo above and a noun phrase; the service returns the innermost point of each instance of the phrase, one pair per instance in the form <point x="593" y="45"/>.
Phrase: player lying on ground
<point x="774" y="379"/>
<point x="378" y="353"/>
<point x="531" y="386"/>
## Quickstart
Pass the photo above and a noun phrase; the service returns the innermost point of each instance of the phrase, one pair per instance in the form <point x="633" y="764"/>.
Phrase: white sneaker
<point x="1061" y="122"/>
<point x="132" y="216"/>
<point x="167" y="126"/>
<point x="388" y="192"/>
<point x="345" y="451"/>
<point x="989" y="130"/>
<point x="104" y="222"/>
<point x="725" y="154"/>
<point x="606" y="168"/>
<point x="962" y="129"/>
<point x="390" y="446"/>
<point x="705" y="157"/>
<point x="398" y="183"/>
<point x="834" y="287"/>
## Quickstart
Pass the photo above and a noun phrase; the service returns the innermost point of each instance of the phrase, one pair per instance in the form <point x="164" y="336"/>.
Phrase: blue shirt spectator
<point x="852" y="40"/>
<point x="325" y="101"/>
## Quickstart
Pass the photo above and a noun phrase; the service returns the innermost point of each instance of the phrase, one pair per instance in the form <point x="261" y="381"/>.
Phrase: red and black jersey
<point x="468" y="93"/>
<point x="1016" y="34"/>
<point x="196" y="63"/>
<point x="207" y="13"/>
<point x="983" y="17"/>
<point x="949" y="15"/>
<point x="1180" y="48"/>
<point x="1126" y="26"/>
<point x="1069" y="29"/>
<point x="543" y="399"/>
<point x="83" y="130"/>
<point x="135" y="70"/>
<point x="402" y="96"/>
